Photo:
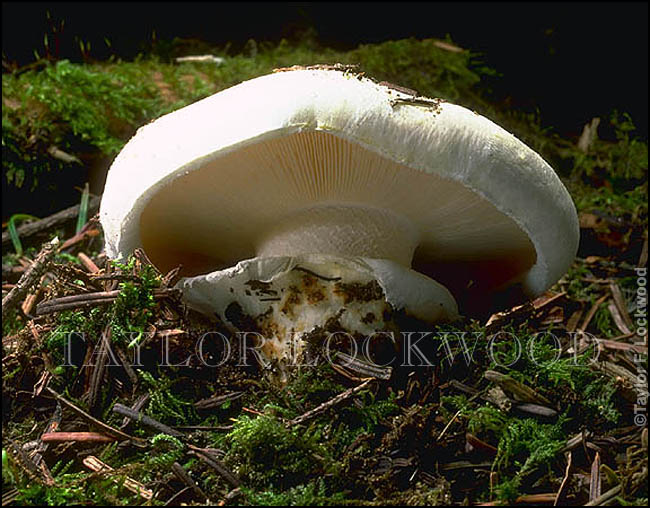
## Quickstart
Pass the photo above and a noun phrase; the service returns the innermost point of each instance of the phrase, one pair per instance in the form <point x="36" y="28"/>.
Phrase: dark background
<point x="573" y="61"/>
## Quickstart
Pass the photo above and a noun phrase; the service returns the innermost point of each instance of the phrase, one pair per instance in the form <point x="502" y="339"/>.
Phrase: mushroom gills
<point x="261" y="200"/>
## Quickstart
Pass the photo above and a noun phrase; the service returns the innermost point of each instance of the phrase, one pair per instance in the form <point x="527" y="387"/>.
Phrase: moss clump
<point x="72" y="328"/>
<point x="523" y="444"/>
<point x="133" y="309"/>
<point x="265" y="452"/>
<point x="527" y="447"/>
<point x="77" y="108"/>
<point x="527" y="443"/>
<point x="564" y="379"/>
<point x="425" y="67"/>
<point x="314" y="493"/>
<point x="167" y="404"/>
<point x="72" y="487"/>
<point x="166" y="450"/>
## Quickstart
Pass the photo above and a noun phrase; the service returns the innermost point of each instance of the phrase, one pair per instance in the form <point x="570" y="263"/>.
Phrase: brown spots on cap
<point x="308" y="281"/>
<point x="313" y="297"/>
<point x="293" y="298"/>
<point x="270" y="329"/>
<point x="309" y="289"/>
<point x="356" y="291"/>
<point x="314" y="291"/>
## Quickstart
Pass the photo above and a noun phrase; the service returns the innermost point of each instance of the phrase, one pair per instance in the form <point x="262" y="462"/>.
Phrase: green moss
<point x="526" y="444"/>
<point x="12" y="322"/>
<point x="570" y="381"/>
<point x="640" y="501"/>
<point x="604" y="322"/>
<point x="424" y="67"/>
<point x="310" y="386"/>
<point x="311" y="494"/>
<point x="367" y="415"/>
<point x="486" y="419"/>
<point x="166" y="450"/>
<point x="599" y="399"/>
<point x="128" y="316"/>
<point x="69" y="101"/>
<point x="508" y="490"/>
<point x="577" y="287"/>
<point x="167" y="400"/>
<point x="72" y="326"/>
<point x="631" y="202"/>
<point x="265" y="452"/>
<point x="623" y="160"/>
<point x="133" y="309"/>
<point x="72" y="488"/>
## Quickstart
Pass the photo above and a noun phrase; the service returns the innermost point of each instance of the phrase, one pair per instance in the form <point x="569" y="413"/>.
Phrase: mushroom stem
<point x="290" y="302"/>
<point x="343" y="230"/>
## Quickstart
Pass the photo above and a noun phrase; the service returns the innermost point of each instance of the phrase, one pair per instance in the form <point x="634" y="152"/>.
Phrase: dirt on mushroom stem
<point x="306" y="317"/>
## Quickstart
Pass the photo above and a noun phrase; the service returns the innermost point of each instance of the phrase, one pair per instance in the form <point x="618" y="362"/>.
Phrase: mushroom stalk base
<point x="289" y="304"/>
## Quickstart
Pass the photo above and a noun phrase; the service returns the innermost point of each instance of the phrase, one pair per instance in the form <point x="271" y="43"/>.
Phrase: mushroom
<point x="316" y="196"/>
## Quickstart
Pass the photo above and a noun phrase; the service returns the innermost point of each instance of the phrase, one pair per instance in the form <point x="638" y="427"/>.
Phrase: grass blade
<point x="13" y="232"/>
<point x="83" y="209"/>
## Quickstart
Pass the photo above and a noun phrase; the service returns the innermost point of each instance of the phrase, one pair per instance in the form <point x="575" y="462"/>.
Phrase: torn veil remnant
<point x="316" y="194"/>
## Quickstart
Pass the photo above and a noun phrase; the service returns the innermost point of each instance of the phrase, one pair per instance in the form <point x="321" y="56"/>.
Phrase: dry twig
<point x="215" y="464"/>
<point x="96" y="465"/>
<point x="31" y="275"/>
<point x="329" y="404"/>
<point x="106" y="428"/>
<point x="146" y="420"/>
<point x="182" y="475"/>
<point x="95" y="437"/>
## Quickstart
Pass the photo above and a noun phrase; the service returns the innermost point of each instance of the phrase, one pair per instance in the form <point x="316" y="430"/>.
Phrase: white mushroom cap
<point x="315" y="161"/>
